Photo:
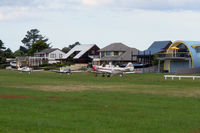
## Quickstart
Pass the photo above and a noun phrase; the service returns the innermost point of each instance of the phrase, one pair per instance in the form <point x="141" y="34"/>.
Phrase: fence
<point x="188" y="71"/>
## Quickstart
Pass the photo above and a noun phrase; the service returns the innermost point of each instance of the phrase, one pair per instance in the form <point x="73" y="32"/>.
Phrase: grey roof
<point x="47" y="51"/>
<point x="82" y="49"/>
<point x="156" y="47"/>
<point x="115" y="47"/>
<point x="126" y="56"/>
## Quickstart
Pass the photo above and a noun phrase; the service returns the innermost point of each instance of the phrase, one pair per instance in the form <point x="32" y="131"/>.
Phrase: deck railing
<point x="174" y="55"/>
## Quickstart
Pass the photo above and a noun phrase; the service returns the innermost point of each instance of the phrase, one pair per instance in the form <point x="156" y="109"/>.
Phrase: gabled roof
<point x="82" y="49"/>
<point x="156" y="47"/>
<point x="115" y="47"/>
<point x="47" y="51"/>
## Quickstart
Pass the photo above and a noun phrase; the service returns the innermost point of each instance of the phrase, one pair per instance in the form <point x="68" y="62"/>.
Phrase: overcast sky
<point x="136" y="23"/>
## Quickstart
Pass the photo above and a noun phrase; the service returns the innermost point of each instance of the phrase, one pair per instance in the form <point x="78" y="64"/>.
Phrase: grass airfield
<point x="47" y="102"/>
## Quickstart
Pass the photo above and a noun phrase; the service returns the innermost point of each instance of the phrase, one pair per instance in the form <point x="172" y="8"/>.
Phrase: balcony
<point x="170" y="56"/>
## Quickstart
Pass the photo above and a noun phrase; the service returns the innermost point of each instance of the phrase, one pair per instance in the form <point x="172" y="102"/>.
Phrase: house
<point x="147" y="56"/>
<point x="83" y="53"/>
<point x="29" y="61"/>
<point x="52" y="55"/>
<point x="180" y="55"/>
<point x="117" y="53"/>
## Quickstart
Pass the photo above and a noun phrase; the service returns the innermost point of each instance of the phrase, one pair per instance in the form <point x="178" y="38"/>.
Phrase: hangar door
<point x="178" y="64"/>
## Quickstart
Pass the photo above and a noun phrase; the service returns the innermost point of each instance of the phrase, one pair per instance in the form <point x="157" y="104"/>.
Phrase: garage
<point x="177" y="65"/>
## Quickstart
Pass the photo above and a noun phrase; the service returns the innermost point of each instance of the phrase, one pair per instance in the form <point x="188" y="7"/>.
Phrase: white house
<point x="52" y="55"/>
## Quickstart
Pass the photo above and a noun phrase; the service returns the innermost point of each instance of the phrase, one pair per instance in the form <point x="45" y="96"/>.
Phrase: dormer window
<point x="116" y="53"/>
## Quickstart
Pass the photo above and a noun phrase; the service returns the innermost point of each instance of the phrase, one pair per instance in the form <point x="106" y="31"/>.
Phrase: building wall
<point x="57" y="54"/>
<point x="167" y="65"/>
<point x="194" y="62"/>
<point x="112" y="53"/>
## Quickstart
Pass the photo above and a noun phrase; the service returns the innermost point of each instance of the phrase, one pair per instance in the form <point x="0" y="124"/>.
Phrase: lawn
<point x="47" y="102"/>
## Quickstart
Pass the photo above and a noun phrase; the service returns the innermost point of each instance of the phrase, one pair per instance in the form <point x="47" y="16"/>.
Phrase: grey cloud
<point x="121" y="4"/>
<point x="16" y="3"/>
<point x="159" y="4"/>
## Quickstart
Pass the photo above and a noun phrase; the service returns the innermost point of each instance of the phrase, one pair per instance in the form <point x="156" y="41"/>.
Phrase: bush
<point x="69" y="63"/>
<point x="89" y="65"/>
<point x="44" y="63"/>
<point x="3" y="66"/>
<point x="50" y="67"/>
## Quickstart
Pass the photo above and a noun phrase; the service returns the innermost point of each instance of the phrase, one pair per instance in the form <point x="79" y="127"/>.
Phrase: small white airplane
<point x="24" y="69"/>
<point x="109" y="70"/>
<point x="64" y="70"/>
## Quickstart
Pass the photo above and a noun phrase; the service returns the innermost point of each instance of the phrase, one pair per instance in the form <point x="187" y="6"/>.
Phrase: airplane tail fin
<point x="94" y="68"/>
<point x="130" y="66"/>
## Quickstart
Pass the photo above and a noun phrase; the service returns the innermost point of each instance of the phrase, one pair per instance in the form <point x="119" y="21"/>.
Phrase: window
<point x="93" y="52"/>
<point x="197" y="49"/>
<point x="108" y="53"/>
<point x="102" y="54"/>
<point x="116" y="53"/>
<point x="53" y="56"/>
<point x="60" y="56"/>
<point x="182" y="48"/>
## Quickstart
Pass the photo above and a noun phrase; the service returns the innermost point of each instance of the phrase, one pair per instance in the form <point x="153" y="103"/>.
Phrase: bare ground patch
<point x="135" y="89"/>
<point x="9" y="96"/>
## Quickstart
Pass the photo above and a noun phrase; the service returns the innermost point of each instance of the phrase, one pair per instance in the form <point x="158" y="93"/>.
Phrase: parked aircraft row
<point x="107" y="70"/>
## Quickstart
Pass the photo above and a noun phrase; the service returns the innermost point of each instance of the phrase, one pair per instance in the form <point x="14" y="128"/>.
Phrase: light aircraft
<point x="65" y="70"/>
<point x="109" y="70"/>
<point x="24" y="69"/>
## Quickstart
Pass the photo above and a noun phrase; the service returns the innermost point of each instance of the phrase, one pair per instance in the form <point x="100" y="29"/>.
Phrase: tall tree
<point x="32" y="37"/>
<point x="24" y="50"/>
<point x="2" y="45"/>
<point x="8" y="53"/>
<point x="18" y="53"/>
<point x="2" y="56"/>
<point x="38" y="46"/>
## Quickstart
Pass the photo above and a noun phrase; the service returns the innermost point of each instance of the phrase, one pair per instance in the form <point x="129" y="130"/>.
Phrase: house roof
<point x="126" y="56"/>
<point x="156" y="47"/>
<point x="47" y="51"/>
<point x="115" y="47"/>
<point x="82" y="49"/>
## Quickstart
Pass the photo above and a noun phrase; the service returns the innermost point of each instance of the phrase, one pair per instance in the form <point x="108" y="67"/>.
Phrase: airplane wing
<point x="104" y="71"/>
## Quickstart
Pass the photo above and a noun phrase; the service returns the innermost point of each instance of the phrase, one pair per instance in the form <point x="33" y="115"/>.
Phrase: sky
<point x="136" y="23"/>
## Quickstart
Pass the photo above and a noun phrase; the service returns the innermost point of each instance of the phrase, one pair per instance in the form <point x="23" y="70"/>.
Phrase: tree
<point x="2" y="45"/>
<point x="18" y="53"/>
<point x="32" y="37"/>
<point x="23" y="50"/>
<point x="8" y="53"/>
<point x="2" y="56"/>
<point x="67" y="49"/>
<point x="37" y="47"/>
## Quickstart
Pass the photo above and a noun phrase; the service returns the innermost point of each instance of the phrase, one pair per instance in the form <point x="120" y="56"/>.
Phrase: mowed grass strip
<point x="88" y="104"/>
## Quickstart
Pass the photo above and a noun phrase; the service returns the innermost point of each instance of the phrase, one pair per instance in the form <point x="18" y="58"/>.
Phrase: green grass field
<point x="47" y="102"/>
